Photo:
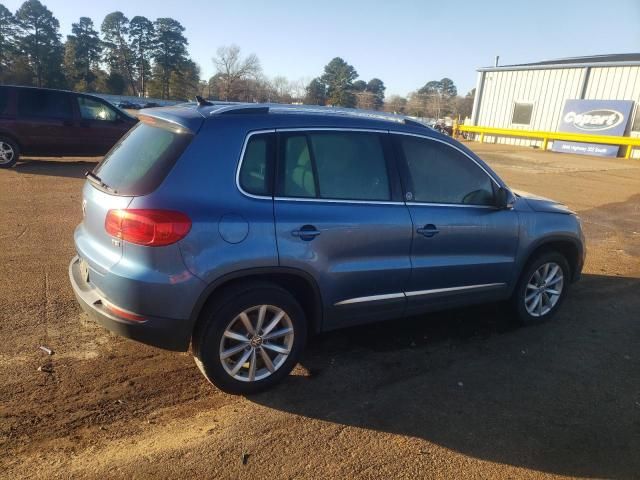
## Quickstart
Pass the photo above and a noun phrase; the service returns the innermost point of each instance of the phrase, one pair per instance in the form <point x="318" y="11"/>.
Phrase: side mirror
<point x="504" y="198"/>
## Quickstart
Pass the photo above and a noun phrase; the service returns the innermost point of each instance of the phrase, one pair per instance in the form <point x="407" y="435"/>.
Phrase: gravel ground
<point x="461" y="394"/>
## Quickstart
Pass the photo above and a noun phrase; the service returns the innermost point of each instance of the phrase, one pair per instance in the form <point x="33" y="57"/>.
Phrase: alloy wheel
<point x="6" y="153"/>
<point x="256" y="343"/>
<point x="544" y="289"/>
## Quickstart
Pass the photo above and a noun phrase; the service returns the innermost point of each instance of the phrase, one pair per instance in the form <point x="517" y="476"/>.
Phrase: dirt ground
<point x="460" y="394"/>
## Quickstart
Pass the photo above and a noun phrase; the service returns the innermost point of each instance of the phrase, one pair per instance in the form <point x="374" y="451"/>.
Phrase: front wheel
<point x="9" y="153"/>
<point x="251" y="340"/>
<point x="541" y="288"/>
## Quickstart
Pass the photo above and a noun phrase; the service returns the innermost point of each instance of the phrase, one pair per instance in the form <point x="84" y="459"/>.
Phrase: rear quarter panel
<point x="229" y="231"/>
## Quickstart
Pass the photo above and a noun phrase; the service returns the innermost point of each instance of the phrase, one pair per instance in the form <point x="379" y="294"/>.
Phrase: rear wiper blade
<point x="96" y="179"/>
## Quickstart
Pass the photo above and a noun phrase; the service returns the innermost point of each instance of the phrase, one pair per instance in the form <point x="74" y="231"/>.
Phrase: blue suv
<point x="241" y="229"/>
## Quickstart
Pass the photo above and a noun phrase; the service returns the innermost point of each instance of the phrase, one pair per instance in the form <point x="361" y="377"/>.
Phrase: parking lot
<point x="458" y="394"/>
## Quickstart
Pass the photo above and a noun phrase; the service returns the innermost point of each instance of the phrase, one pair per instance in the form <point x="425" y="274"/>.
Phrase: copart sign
<point x="593" y="117"/>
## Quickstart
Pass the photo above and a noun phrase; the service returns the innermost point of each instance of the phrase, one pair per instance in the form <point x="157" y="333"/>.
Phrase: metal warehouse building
<point x="533" y="97"/>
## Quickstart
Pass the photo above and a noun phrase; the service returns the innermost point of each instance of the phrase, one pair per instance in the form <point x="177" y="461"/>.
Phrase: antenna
<point x="497" y="59"/>
<point x="202" y="102"/>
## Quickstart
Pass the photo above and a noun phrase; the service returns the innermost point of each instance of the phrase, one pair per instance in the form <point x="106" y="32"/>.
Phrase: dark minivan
<point x="39" y="121"/>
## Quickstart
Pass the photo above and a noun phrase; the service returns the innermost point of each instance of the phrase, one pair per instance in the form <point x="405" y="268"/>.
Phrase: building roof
<point x="614" y="59"/>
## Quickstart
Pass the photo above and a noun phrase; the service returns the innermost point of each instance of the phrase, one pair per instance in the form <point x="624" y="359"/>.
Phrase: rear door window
<point x="44" y="104"/>
<point x="335" y="165"/>
<point x="141" y="160"/>
<point x="299" y="177"/>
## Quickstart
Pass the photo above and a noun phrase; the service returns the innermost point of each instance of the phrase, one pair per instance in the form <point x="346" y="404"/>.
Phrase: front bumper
<point x="166" y="333"/>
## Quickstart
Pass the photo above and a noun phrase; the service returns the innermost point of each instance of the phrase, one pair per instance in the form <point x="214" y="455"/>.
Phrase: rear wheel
<point x="9" y="153"/>
<point x="250" y="340"/>
<point x="541" y="288"/>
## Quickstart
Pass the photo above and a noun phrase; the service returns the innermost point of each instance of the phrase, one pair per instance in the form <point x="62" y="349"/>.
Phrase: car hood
<point x="541" y="204"/>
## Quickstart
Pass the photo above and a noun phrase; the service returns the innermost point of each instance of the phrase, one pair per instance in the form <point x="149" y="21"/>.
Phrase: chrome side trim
<point x="452" y="289"/>
<point x="372" y="298"/>
<point x="244" y="148"/>
<point x="456" y="205"/>
<point x="330" y="200"/>
<point x="395" y="132"/>
<point x="417" y="293"/>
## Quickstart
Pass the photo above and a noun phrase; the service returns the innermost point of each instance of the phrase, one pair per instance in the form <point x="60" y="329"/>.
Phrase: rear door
<point x="44" y="122"/>
<point x="463" y="246"/>
<point x="339" y="216"/>
<point x="100" y="127"/>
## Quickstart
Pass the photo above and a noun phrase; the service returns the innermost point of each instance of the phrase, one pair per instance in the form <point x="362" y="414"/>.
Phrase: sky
<point x="406" y="43"/>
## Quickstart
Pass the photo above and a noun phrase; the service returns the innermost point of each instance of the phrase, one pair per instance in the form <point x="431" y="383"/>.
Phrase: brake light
<point x="152" y="228"/>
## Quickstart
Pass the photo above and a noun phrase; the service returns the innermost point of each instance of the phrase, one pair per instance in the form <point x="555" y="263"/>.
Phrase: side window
<point x="257" y="165"/>
<point x="335" y="165"/>
<point x="94" y="110"/>
<point x="44" y="104"/>
<point x="442" y="174"/>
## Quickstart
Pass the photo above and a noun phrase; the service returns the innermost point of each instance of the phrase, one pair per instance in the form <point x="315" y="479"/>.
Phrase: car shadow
<point x="561" y="397"/>
<point x="57" y="168"/>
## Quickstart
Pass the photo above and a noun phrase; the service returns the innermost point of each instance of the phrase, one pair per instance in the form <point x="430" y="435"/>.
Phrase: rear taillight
<point x="152" y="228"/>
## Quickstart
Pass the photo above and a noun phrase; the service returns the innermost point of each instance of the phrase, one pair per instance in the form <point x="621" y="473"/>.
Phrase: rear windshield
<point x="141" y="160"/>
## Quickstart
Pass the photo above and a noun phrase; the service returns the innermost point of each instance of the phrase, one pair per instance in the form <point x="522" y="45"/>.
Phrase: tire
<point x="223" y="328"/>
<point x="9" y="152"/>
<point x="525" y="302"/>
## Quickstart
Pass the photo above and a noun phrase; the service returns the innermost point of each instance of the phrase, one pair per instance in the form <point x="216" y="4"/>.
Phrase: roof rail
<point x="253" y="108"/>
<point x="246" y="110"/>
<point x="414" y="123"/>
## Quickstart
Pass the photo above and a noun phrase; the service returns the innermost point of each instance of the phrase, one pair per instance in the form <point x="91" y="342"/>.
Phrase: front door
<point x="339" y="216"/>
<point x="463" y="246"/>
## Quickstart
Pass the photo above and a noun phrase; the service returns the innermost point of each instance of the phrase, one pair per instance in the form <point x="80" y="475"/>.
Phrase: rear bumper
<point x="166" y="333"/>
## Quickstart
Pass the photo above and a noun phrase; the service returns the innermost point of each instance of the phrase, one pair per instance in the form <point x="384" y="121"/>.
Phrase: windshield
<point x="141" y="160"/>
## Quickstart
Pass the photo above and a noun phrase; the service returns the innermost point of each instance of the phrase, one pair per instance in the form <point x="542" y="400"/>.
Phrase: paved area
<point x="459" y="394"/>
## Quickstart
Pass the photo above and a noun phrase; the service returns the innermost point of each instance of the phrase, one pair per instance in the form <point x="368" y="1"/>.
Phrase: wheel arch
<point x="298" y="282"/>
<point x="570" y="247"/>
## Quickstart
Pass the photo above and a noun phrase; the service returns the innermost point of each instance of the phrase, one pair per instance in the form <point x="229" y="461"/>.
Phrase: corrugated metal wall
<point x="547" y="90"/>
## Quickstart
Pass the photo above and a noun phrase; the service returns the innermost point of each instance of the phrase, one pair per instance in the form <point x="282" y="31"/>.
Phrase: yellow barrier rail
<point x="629" y="142"/>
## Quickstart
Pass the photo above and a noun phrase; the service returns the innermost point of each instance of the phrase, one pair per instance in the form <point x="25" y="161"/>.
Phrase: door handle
<point x="306" y="232"/>
<point x="428" y="230"/>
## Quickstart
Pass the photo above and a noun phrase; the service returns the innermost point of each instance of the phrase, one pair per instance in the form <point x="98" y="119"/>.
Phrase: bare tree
<point x="233" y="70"/>
<point x="365" y="100"/>
<point x="282" y="88"/>
<point x="299" y="89"/>
<point x="395" y="104"/>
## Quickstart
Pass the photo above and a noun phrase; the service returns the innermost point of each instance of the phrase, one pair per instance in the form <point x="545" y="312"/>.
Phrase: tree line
<point x="134" y="56"/>
<point x="149" y="58"/>
<point x="241" y="79"/>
